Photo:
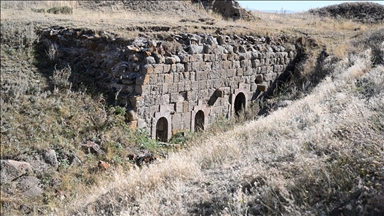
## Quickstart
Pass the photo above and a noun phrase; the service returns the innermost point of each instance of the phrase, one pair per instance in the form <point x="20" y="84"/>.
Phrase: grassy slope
<point x="322" y="158"/>
<point x="288" y="162"/>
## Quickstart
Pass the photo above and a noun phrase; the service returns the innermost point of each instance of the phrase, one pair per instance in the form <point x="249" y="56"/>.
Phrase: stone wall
<point x="182" y="82"/>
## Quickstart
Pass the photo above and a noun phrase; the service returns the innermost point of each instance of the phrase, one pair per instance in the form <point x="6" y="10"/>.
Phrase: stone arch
<point x="161" y="124"/>
<point x="239" y="99"/>
<point x="199" y="121"/>
<point x="239" y="103"/>
<point x="162" y="130"/>
<point x="203" y="111"/>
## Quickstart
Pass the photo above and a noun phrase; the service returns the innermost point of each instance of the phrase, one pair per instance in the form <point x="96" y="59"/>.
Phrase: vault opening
<point x="162" y="130"/>
<point x="199" y="121"/>
<point x="239" y="103"/>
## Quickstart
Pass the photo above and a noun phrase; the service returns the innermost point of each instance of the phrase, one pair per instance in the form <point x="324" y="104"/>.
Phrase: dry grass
<point x="294" y="163"/>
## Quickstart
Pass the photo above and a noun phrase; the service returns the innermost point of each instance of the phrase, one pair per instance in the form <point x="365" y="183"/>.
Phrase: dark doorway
<point x="239" y="103"/>
<point x="199" y="121"/>
<point x="162" y="130"/>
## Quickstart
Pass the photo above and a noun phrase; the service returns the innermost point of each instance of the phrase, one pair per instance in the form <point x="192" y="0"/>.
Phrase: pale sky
<point x="296" y="6"/>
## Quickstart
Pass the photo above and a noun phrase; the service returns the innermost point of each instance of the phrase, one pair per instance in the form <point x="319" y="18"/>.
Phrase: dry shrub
<point x="60" y="78"/>
<point x="60" y="10"/>
<point x="340" y="51"/>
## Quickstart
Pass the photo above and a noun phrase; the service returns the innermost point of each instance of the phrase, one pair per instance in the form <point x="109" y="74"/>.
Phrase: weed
<point x="181" y="137"/>
<point x="64" y="163"/>
<point x="60" y="78"/>
<point x="143" y="140"/>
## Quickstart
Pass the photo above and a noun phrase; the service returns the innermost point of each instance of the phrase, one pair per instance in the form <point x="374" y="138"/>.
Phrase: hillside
<point x="67" y="147"/>
<point x="366" y="12"/>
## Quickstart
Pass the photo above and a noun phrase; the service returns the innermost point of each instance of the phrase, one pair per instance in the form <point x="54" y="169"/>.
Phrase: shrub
<point x="38" y="10"/>
<point x="61" y="10"/>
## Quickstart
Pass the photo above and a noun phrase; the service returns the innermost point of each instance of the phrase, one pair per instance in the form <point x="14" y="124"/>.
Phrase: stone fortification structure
<point x="229" y="9"/>
<point x="179" y="83"/>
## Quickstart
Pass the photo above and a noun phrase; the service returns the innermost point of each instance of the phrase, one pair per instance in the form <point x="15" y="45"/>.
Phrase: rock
<point x="147" y="53"/>
<point x="50" y="158"/>
<point x="230" y="9"/>
<point x="259" y="79"/>
<point x="194" y="40"/>
<point x="132" y="156"/>
<point x="25" y="209"/>
<point x="220" y="40"/>
<point x="103" y="165"/>
<point x="60" y="194"/>
<point x="211" y="40"/>
<point x="207" y="48"/>
<point x="37" y="162"/>
<point x="177" y="59"/>
<point x="91" y="145"/>
<point x="195" y="49"/>
<point x="131" y="115"/>
<point x="75" y="161"/>
<point x="30" y="186"/>
<point x="267" y="109"/>
<point x="133" y="49"/>
<point x="150" y="60"/>
<point x="145" y="157"/>
<point x="242" y="49"/>
<point x="134" y="58"/>
<point x="55" y="182"/>
<point x="159" y="59"/>
<point x="170" y="60"/>
<point x="282" y="103"/>
<point x="11" y="169"/>
<point x="261" y="87"/>
<point x="229" y="48"/>
<point x="184" y="58"/>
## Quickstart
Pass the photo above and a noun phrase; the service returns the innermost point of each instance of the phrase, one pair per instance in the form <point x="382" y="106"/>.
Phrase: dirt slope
<point x="155" y="8"/>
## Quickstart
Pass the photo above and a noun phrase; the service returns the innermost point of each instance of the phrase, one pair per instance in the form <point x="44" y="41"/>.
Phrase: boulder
<point x="30" y="186"/>
<point x="50" y="158"/>
<point x="11" y="169"/>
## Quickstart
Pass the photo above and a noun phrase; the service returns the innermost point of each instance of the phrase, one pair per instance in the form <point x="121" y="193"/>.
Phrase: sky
<point x="296" y="6"/>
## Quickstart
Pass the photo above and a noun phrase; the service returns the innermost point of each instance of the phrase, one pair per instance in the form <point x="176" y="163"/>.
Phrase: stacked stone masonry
<point x="179" y="83"/>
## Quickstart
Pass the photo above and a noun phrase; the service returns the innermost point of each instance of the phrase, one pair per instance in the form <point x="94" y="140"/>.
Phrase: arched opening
<point x="239" y="103"/>
<point x="162" y="130"/>
<point x="199" y="121"/>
